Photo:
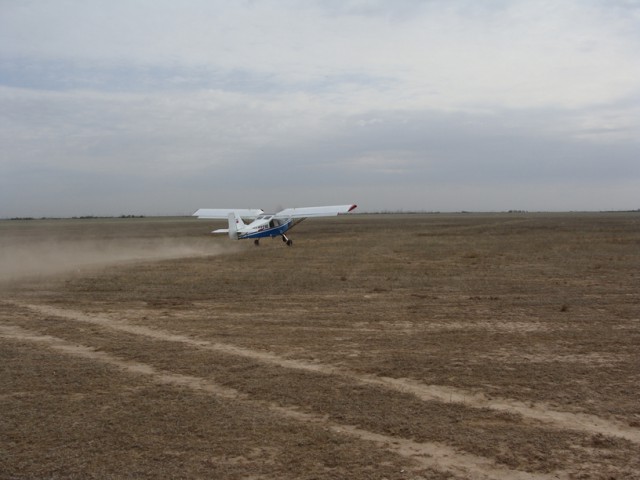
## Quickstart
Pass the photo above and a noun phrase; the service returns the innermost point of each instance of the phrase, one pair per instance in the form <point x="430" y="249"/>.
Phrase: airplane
<point x="267" y="224"/>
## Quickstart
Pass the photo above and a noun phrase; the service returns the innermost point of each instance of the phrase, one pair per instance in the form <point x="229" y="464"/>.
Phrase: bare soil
<point x="502" y="346"/>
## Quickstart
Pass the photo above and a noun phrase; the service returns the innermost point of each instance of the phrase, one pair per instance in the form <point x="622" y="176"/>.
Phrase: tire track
<point x="428" y="455"/>
<point x="566" y="420"/>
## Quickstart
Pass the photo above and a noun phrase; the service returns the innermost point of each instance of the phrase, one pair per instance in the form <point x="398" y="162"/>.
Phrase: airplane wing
<point x="306" y="212"/>
<point x="223" y="213"/>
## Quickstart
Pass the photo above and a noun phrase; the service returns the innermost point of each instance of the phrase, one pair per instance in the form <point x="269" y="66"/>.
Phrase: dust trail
<point x="47" y="257"/>
<point x="425" y="455"/>
<point x="540" y="412"/>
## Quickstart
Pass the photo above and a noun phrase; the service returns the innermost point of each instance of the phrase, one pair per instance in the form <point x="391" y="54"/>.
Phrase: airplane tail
<point x="234" y="222"/>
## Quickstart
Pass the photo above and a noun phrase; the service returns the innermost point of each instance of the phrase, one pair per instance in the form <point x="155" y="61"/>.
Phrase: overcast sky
<point x="162" y="107"/>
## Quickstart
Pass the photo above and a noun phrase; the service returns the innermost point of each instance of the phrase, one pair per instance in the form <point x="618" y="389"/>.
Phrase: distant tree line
<point x="83" y="217"/>
<point x="88" y="217"/>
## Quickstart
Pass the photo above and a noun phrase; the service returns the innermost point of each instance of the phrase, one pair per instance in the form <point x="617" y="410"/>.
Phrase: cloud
<point x="443" y="54"/>
<point x="213" y="101"/>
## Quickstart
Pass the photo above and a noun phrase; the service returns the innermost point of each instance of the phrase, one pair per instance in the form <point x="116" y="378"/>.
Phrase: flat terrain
<point x="498" y="346"/>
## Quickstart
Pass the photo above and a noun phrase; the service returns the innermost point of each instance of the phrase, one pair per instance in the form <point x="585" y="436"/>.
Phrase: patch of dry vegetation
<point x="73" y="419"/>
<point x="541" y="309"/>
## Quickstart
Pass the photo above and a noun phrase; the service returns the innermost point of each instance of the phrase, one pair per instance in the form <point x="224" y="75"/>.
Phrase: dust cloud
<point x="19" y="260"/>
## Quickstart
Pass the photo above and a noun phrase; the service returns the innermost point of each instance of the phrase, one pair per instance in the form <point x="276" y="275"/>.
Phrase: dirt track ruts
<point x="426" y="454"/>
<point x="573" y="421"/>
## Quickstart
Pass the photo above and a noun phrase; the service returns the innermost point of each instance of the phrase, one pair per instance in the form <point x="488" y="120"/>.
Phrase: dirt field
<point x="502" y="346"/>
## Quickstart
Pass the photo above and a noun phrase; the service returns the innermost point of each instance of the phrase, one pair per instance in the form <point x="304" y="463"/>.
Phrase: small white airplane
<point x="267" y="224"/>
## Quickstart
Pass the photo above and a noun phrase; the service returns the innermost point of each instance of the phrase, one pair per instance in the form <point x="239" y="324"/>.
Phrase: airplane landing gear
<point x="256" y="242"/>
<point x="288" y="241"/>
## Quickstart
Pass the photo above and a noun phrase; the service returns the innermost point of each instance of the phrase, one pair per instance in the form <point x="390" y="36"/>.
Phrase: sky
<point x="157" y="107"/>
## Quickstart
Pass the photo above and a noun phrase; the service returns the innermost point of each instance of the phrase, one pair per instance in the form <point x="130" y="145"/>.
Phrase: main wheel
<point x="289" y="242"/>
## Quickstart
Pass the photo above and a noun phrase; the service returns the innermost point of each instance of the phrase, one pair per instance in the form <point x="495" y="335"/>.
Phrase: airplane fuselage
<point x="265" y="226"/>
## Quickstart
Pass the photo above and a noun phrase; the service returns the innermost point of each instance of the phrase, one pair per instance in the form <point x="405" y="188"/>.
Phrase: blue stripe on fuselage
<point x="269" y="232"/>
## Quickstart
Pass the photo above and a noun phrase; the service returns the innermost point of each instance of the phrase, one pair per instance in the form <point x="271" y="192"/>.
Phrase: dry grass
<point x="515" y="318"/>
